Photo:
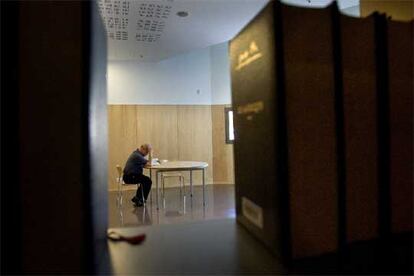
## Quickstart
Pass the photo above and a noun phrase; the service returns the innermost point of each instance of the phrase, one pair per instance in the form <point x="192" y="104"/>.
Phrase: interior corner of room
<point x="177" y="105"/>
<point x="177" y="98"/>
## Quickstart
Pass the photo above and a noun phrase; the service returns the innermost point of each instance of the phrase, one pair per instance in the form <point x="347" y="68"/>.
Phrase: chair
<point x="165" y="175"/>
<point x="120" y="182"/>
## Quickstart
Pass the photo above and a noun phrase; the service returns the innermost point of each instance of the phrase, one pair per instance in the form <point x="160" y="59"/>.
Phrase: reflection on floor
<point x="219" y="204"/>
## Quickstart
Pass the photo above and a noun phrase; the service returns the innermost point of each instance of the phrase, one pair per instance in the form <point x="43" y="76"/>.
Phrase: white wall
<point x="349" y="7"/>
<point x="183" y="79"/>
<point x="352" y="11"/>
<point x="220" y="74"/>
<point x="200" y="77"/>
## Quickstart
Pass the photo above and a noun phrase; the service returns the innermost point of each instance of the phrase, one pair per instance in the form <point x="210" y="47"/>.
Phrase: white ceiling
<point x="151" y="30"/>
<point x="343" y="4"/>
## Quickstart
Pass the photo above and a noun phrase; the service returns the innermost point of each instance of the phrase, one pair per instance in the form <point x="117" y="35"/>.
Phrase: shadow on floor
<point x="174" y="208"/>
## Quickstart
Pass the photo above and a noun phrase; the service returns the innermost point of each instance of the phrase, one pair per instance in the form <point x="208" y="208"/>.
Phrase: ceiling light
<point x="182" y="13"/>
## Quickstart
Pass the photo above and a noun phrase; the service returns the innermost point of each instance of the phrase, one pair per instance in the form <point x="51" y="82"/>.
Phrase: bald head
<point x="145" y="149"/>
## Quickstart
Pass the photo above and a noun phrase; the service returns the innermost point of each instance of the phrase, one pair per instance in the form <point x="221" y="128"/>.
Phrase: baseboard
<point x="222" y="183"/>
<point x="134" y="187"/>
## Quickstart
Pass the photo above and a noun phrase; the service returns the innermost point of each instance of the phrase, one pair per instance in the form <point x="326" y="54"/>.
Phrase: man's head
<point x="145" y="149"/>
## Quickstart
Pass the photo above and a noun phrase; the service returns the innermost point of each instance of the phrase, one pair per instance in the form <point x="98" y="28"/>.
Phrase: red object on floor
<point x="114" y="236"/>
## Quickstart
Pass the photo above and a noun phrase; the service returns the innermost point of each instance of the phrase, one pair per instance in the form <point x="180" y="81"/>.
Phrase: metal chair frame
<point x="169" y="175"/>
<point x="120" y="182"/>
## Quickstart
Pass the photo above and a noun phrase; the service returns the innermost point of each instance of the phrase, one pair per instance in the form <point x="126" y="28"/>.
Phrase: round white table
<point x="179" y="166"/>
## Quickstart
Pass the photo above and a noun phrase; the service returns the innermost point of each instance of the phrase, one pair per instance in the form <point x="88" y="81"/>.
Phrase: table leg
<point x="156" y="185"/>
<point x="162" y="191"/>
<point x="150" y="171"/>
<point x="184" y="204"/>
<point x="191" y="183"/>
<point x="191" y="208"/>
<point x="143" y="214"/>
<point x="204" y="185"/>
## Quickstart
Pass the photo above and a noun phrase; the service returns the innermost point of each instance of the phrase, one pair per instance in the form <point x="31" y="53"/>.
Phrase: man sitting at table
<point x="133" y="173"/>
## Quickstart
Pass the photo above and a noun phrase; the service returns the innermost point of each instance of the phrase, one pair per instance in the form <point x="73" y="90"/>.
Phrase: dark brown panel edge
<point x="86" y="178"/>
<point x="340" y="133"/>
<point x="11" y="212"/>
<point x="384" y="199"/>
<point x="282" y="146"/>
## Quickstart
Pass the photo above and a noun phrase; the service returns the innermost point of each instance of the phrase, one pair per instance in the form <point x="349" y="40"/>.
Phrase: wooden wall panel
<point x="397" y="9"/>
<point x="157" y="125"/>
<point x="223" y="166"/>
<point x="195" y="137"/>
<point x="114" y="138"/>
<point x="122" y="129"/>
<point x="176" y="133"/>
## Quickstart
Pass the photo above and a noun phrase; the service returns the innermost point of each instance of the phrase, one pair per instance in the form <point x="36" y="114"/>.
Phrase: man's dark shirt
<point x="135" y="163"/>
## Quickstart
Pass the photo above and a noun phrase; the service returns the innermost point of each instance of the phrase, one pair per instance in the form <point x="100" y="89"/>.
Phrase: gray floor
<point x="209" y="247"/>
<point x="219" y="204"/>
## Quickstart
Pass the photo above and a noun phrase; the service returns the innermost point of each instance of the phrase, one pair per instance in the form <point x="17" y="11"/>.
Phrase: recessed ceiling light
<point x="182" y="13"/>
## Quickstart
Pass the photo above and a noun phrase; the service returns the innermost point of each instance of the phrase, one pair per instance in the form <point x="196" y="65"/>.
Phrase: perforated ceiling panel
<point x="147" y="19"/>
<point x="115" y="17"/>
<point x="151" y="10"/>
<point x="151" y="21"/>
<point x="152" y="30"/>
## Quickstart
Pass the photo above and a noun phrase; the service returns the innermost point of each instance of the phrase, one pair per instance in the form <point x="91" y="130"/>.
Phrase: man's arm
<point x="145" y="162"/>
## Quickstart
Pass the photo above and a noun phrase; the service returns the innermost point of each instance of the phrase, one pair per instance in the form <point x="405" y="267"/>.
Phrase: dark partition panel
<point x="283" y="93"/>
<point x="253" y="58"/>
<point x="97" y="154"/>
<point x="11" y="249"/>
<point x="360" y="126"/>
<point x="400" y="60"/>
<point x="311" y="129"/>
<point x="323" y="145"/>
<point x="59" y="60"/>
